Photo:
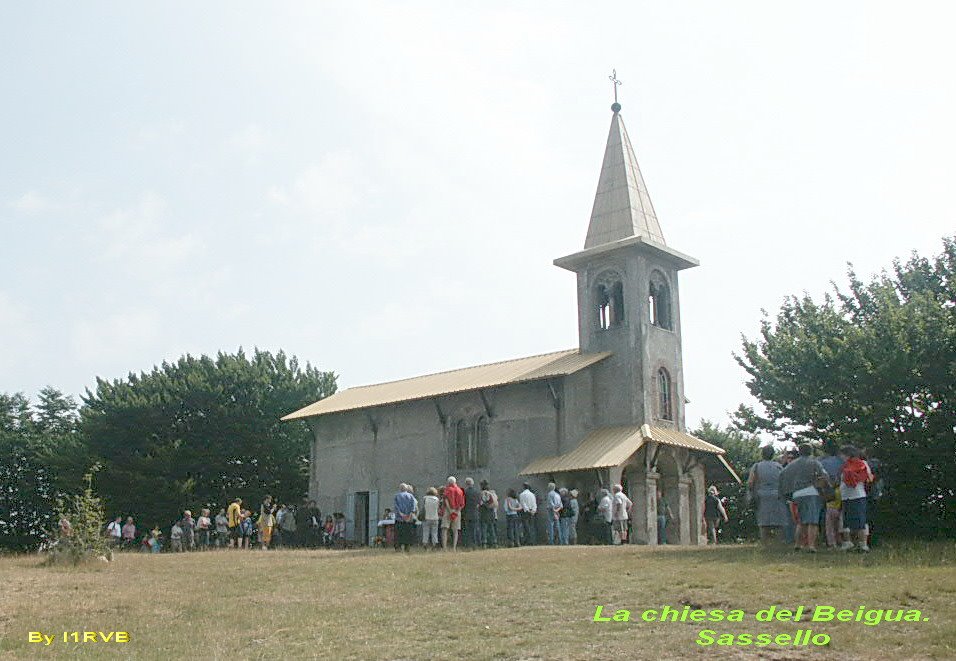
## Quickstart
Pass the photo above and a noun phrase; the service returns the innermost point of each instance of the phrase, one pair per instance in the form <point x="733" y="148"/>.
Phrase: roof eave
<point x="575" y="261"/>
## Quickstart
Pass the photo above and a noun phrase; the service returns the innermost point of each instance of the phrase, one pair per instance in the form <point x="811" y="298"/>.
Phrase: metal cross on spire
<point x="617" y="83"/>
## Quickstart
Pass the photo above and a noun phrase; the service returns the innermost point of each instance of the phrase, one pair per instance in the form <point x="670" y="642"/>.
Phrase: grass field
<point x="533" y="603"/>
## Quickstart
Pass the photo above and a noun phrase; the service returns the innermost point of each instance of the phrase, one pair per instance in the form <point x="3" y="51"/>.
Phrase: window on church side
<point x="664" y="391"/>
<point x="610" y="305"/>
<point x="481" y="439"/>
<point x="471" y="443"/>
<point x="659" y="302"/>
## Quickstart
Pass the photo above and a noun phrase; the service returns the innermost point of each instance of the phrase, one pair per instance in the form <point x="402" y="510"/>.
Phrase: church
<point x="609" y="411"/>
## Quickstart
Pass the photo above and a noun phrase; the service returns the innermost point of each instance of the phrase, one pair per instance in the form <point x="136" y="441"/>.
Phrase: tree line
<point x="197" y="431"/>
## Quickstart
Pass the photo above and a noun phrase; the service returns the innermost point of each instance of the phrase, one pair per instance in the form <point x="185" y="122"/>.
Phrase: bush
<point x="82" y="539"/>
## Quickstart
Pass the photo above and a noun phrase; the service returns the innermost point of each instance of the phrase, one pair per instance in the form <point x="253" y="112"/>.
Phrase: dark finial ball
<point x="616" y="107"/>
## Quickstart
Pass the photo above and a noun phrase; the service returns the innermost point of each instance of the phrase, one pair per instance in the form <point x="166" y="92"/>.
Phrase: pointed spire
<point x="622" y="206"/>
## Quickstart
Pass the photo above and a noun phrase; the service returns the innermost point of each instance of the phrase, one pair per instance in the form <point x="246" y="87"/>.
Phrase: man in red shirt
<point x="451" y="518"/>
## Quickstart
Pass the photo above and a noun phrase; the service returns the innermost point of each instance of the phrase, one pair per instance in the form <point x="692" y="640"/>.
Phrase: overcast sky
<point x="380" y="188"/>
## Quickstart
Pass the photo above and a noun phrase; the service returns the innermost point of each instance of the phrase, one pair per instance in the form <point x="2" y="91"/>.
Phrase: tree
<point x="201" y="431"/>
<point x="30" y="439"/>
<point x="874" y="366"/>
<point x="743" y="451"/>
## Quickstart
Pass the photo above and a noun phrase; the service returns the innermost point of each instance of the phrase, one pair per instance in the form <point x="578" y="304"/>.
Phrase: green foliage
<point x="29" y="439"/>
<point x="874" y="366"/>
<point x="201" y="431"/>
<point x="743" y="450"/>
<point x="86" y="539"/>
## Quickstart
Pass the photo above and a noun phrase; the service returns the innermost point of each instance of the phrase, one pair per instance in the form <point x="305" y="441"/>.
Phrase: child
<point x="832" y="522"/>
<point x="247" y="529"/>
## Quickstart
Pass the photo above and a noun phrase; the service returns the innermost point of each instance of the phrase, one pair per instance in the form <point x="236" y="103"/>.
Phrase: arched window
<point x="471" y="443"/>
<point x="659" y="302"/>
<point x="610" y="297"/>
<point x="481" y="438"/>
<point x="664" y="393"/>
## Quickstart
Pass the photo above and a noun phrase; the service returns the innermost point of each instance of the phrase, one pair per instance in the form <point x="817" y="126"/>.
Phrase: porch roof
<point x="612" y="446"/>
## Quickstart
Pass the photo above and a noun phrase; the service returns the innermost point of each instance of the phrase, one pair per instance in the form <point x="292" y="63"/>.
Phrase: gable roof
<point x="518" y="370"/>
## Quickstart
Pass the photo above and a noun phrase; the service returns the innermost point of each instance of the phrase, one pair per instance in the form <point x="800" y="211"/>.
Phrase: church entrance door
<point x="361" y="518"/>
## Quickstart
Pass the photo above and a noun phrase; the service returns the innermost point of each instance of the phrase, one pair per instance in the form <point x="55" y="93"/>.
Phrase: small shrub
<point x="83" y="539"/>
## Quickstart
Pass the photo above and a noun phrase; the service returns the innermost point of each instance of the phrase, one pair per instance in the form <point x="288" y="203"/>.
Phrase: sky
<point x="380" y="188"/>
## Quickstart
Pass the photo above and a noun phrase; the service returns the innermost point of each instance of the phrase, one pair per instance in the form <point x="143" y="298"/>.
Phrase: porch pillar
<point x="683" y="489"/>
<point x="650" y="507"/>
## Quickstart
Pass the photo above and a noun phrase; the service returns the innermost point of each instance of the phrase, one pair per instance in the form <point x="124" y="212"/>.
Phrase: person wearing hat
<point x="713" y="512"/>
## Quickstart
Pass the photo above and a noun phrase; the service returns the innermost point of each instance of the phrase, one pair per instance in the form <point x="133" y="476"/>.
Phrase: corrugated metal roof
<point x="612" y="446"/>
<point x="682" y="440"/>
<point x="548" y="365"/>
<point x="608" y="446"/>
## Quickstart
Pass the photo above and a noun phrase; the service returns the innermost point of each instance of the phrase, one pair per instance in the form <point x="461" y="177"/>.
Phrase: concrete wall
<point x="377" y="449"/>
<point x="625" y="385"/>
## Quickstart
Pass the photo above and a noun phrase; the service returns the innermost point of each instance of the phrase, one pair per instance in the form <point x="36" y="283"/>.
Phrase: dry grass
<point x="534" y="603"/>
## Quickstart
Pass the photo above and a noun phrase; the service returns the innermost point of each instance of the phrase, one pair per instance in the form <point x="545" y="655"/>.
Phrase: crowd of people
<point x="451" y="516"/>
<point x="796" y="495"/>
<point x="273" y="525"/>
<point x="800" y="495"/>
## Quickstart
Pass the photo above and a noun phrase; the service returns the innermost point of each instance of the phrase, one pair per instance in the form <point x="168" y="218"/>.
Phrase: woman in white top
<point x="431" y="520"/>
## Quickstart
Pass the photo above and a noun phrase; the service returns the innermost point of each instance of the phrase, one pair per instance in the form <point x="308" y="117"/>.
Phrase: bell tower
<point x="628" y="295"/>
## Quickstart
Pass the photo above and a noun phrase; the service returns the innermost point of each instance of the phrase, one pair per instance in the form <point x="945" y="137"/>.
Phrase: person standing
<point x="405" y="507"/>
<point x="222" y="529"/>
<point x="575" y="509"/>
<point x="176" y="537"/>
<point x="454" y="503"/>
<point x="114" y="531"/>
<point x="564" y="516"/>
<point x="832" y="463"/>
<point x="129" y="533"/>
<point x="799" y="482"/>
<point x="188" y="525"/>
<point x="471" y="525"/>
<point x="790" y="525"/>
<point x="234" y="521"/>
<point x="553" y="503"/>
<point x="854" y="477"/>
<point x="604" y="511"/>
<point x="430" y="525"/>
<point x="204" y="529"/>
<point x="247" y="529"/>
<point x="488" y="516"/>
<point x="266" y="522"/>
<point x="529" y="508"/>
<point x="763" y="484"/>
<point x="289" y="528"/>
<point x="513" y="518"/>
<point x="621" y="514"/>
<point x="714" y="513"/>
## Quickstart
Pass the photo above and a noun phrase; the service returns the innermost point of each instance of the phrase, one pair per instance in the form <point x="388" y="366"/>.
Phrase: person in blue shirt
<point x="405" y="508"/>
